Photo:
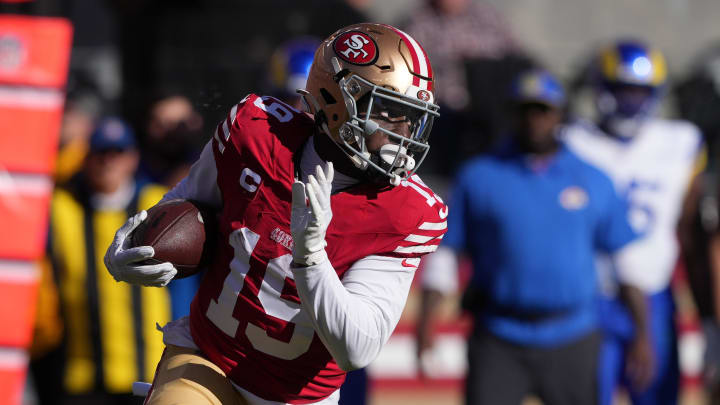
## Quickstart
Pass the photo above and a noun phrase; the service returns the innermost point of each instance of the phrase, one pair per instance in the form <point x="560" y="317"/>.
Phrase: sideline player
<point x="278" y="318"/>
<point x="652" y="162"/>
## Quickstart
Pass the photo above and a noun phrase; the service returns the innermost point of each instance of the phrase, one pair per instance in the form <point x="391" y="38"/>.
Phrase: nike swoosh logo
<point x="405" y="263"/>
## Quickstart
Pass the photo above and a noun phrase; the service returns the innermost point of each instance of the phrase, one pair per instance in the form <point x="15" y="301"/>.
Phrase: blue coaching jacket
<point x="531" y="231"/>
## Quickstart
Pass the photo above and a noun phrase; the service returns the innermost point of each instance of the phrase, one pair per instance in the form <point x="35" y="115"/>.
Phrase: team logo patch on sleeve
<point x="356" y="47"/>
<point x="573" y="198"/>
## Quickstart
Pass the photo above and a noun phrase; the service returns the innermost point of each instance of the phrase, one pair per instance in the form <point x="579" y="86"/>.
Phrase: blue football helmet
<point x="538" y="86"/>
<point x="630" y="82"/>
<point x="290" y="66"/>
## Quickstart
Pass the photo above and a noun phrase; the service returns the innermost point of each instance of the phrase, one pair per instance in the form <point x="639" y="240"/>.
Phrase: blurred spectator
<point x="453" y="31"/>
<point x="472" y="50"/>
<point x="288" y="69"/>
<point x="530" y="217"/>
<point x="82" y="109"/>
<point x="652" y="162"/>
<point x="110" y="337"/>
<point x="699" y="101"/>
<point x="173" y="139"/>
<point x="698" y="97"/>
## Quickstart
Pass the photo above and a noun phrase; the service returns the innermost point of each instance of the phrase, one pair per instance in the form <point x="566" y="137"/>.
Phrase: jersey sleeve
<point x="245" y="138"/>
<point x="355" y="317"/>
<point x="428" y="229"/>
<point x="254" y="131"/>
<point x="239" y="134"/>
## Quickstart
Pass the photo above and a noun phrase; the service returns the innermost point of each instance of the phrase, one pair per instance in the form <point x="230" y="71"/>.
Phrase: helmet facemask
<point x="623" y="108"/>
<point x="371" y="84"/>
<point x="370" y="107"/>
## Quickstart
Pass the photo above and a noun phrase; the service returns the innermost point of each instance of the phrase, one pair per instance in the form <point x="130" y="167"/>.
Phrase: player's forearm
<point x="685" y="228"/>
<point x="355" y="319"/>
<point x="715" y="273"/>
<point x="438" y="278"/>
<point x="635" y="300"/>
<point x="430" y="301"/>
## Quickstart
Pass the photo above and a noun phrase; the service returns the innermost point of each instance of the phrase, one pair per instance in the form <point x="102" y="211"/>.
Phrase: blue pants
<point x="354" y="390"/>
<point x="617" y="327"/>
<point x="182" y="292"/>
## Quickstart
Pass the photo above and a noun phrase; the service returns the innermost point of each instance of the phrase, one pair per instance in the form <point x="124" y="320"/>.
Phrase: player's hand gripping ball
<point x="168" y="241"/>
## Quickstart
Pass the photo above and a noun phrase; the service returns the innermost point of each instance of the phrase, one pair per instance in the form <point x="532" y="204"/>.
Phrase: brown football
<point x="178" y="230"/>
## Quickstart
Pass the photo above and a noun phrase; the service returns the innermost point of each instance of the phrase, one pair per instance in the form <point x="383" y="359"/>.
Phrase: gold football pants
<point x="185" y="377"/>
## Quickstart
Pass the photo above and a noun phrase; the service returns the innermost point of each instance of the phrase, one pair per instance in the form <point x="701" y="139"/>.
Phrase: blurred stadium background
<point x="128" y="53"/>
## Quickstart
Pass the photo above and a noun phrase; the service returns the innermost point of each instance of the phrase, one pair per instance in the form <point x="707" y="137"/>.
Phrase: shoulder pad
<point x="257" y="123"/>
<point x="426" y="216"/>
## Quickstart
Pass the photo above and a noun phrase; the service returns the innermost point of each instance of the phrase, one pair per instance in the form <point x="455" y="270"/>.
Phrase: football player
<point x="652" y="161"/>
<point x="322" y="225"/>
<point x="288" y="71"/>
<point x="289" y="67"/>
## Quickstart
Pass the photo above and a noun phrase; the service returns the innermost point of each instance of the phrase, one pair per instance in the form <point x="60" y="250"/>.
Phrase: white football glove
<point x="308" y="224"/>
<point x="121" y="260"/>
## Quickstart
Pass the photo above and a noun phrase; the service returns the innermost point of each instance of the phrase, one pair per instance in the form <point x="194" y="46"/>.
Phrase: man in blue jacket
<point x="530" y="217"/>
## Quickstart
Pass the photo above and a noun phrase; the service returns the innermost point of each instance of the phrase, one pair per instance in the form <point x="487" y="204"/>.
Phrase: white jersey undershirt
<point x="353" y="317"/>
<point x="310" y="160"/>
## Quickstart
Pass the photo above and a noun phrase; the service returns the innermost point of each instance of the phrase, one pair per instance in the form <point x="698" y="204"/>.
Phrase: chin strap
<point x="321" y="121"/>
<point x="320" y="117"/>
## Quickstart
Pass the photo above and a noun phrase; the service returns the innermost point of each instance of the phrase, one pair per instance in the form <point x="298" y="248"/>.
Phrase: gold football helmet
<point x="365" y="73"/>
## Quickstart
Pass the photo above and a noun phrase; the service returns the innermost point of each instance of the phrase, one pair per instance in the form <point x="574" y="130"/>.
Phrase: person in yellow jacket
<point x="109" y="329"/>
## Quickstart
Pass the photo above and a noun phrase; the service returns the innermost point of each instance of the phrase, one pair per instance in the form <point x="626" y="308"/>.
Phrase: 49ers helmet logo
<point x="356" y="47"/>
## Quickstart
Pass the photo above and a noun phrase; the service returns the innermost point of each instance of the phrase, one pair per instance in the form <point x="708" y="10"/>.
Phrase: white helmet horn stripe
<point x="421" y="65"/>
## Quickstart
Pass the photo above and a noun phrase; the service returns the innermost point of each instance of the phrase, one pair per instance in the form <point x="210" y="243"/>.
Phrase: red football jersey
<point x="246" y="316"/>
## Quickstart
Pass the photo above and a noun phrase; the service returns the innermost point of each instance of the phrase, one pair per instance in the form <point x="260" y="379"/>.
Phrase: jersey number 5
<point x="640" y="196"/>
<point x="220" y="311"/>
